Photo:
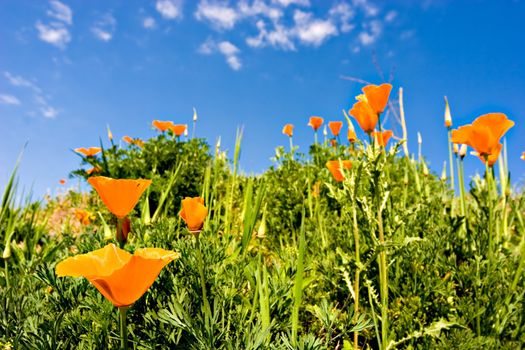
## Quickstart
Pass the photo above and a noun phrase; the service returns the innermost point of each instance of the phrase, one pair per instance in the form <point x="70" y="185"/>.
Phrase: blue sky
<point x="70" y="67"/>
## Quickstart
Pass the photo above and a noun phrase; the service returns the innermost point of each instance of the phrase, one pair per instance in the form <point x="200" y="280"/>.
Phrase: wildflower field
<point x="354" y="245"/>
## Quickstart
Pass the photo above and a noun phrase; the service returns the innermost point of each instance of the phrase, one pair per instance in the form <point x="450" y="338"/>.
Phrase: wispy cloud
<point x="312" y="31"/>
<point x="169" y="9"/>
<point x="60" y="11"/>
<point x="104" y="28"/>
<point x="292" y="2"/>
<point x="371" y="33"/>
<point x="149" y="23"/>
<point x="9" y="100"/>
<point x="226" y="48"/>
<point x="56" y="32"/>
<point x="40" y="98"/>
<point x="219" y="15"/>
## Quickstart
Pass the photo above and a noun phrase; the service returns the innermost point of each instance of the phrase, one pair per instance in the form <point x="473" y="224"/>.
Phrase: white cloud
<point x="19" y="81"/>
<point x="343" y="13"/>
<point x="370" y="9"/>
<point x="390" y="16"/>
<point x="61" y="12"/>
<point x="49" y="112"/>
<point x="169" y="9"/>
<point x="280" y="37"/>
<point x="286" y="3"/>
<point x="259" y="7"/>
<point x="9" y="100"/>
<point x="218" y="14"/>
<point x="371" y="33"/>
<point x="104" y="28"/>
<point x="149" y="23"/>
<point x="312" y="31"/>
<point x="226" y="48"/>
<point x="55" y="34"/>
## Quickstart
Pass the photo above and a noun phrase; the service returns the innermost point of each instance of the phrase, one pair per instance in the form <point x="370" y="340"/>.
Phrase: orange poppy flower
<point x="62" y="181"/>
<point x="288" y="130"/>
<point x="121" y="277"/>
<point x="178" y="129"/>
<point x="336" y="168"/>
<point x="492" y="158"/>
<point x="523" y="156"/>
<point x="335" y="127"/>
<point x="137" y="142"/>
<point x="88" y="152"/>
<point x="93" y="170"/>
<point x="484" y="133"/>
<point x="315" y="122"/>
<point x="376" y="96"/>
<point x="352" y="137"/>
<point x="119" y="195"/>
<point x="162" y="125"/>
<point x="365" y="116"/>
<point x="382" y="137"/>
<point x="83" y="216"/>
<point x="193" y="212"/>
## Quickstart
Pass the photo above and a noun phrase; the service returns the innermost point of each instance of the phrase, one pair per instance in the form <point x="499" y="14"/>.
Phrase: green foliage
<point x="275" y="265"/>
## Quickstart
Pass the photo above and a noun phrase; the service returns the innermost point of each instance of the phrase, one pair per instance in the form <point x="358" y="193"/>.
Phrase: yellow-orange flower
<point x="335" y="127"/>
<point x="88" y="152"/>
<point x="336" y="168"/>
<point x="523" y="156"/>
<point x="137" y="142"/>
<point x="365" y="116"/>
<point x="62" y="181"/>
<point x="83" y="216"/>
<point x="121" y="277"/>
<point x="484" y="134"/>
<point x="119" y="195"/>
<point x="178" y="129"/>
<point x="377" y="96"/>
<point x="93" y="170"/>
<point x="162" y="125"/>
<point x="382" y="137"/>
<point x="193" y="212"/>
<point x="315" y="122"/>
<point x="352" y="137"/>
<point x="288" y="130"/>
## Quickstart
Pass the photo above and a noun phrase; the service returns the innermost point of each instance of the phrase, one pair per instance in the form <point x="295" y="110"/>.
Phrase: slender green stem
<point x="450" y="159"/>
<point x="462" y="193"/>
<point x="6" y="273"/>
<point x="200" y="263"/>
<point x="357" y="270"/>
<point x="123" y="327"/>
<point x="383" y="276"/>
<point x="291" y="146"/>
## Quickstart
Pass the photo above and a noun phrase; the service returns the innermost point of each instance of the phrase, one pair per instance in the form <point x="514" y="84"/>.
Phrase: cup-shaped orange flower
<point x="377" y="96"/>
<point x="484" y="134"/>
<point x="178" y="129"/>
<point x="315" y="122"/>
<point x="88" y="152"/>
<point x="288" y="130"/>
<point x="364" y="115"/>
<point x="382" y="137"/>
<point x="335" y="127"/>
<point x="162" y="125"/>
<point x="194" y="213"/>
<point x="336" y="168"/>
<point x="121" y="277"/>
<point x="491" y="158"/>
<point x="523" y="156"/>
<point x="62" y="181"/>
<point x="119" y="195"/>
